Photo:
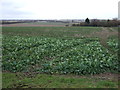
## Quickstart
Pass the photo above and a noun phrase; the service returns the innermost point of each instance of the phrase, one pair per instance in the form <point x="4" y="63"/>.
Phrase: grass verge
<point x="18" y="80"/>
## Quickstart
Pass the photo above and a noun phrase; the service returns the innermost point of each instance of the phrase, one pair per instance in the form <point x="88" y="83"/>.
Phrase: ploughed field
<point x="59" y="50"/>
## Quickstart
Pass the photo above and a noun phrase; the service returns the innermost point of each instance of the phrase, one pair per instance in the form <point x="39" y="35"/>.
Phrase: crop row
<point x="89" y="58"/>
<point x="52" y="55"/>
<point x="19" y="52"/>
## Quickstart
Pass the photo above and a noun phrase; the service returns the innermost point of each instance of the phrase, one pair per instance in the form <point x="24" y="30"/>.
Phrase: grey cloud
<point x="12" y="9"/>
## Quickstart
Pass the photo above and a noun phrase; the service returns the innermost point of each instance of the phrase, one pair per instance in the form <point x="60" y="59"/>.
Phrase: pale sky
<point x="58" y="9"/>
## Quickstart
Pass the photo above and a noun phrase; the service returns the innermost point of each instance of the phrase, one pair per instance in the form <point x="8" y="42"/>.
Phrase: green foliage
<point x="113" y="44"/>
<point x="19" y="80"/>
<point x="54" y="50"/>
<point x="89" y="58"/>
<point x="49" y="31"/>
<point x="87" y="21"/>
<point x="57" y="55"/>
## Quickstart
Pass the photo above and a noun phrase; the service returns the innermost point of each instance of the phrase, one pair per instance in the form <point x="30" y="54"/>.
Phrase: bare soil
<point x="30" y="25"/>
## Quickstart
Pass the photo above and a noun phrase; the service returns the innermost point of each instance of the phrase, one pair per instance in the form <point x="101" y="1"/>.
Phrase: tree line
<point x="98" y="23"/>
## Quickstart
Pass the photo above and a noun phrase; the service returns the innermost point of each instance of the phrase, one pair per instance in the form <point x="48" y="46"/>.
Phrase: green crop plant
<point x="113" y="44"/>
<point x="57" y="55"/>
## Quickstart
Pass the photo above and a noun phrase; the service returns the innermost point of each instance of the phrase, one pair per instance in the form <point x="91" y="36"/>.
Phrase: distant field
<point x="47" y="23"/>
<point x="40" y="54"/>
<point x="37" y="24"/>
<point x="50" y="31"/>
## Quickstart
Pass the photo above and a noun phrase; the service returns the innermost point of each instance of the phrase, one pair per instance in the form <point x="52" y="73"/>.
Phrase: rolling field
<point x="34" y="24"/>
<point x="77" y="55"/>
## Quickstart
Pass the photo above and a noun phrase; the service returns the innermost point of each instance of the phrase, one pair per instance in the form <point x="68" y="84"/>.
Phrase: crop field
<point x="60" y="51"/>
<point x="46" y="23"/>
<point x="39" y="24"/>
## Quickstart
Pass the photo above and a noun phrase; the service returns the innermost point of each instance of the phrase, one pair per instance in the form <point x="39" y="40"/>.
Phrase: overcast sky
<point x="58" y="9"/>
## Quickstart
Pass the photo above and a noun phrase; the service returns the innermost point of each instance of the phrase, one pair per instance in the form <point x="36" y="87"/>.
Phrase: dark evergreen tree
<point x="108" y="20"/>
<point x="87" y="21"/>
